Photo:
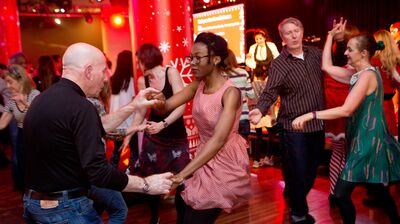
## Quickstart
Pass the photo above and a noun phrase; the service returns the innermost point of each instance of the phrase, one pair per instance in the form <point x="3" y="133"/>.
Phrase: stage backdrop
<point x="227" y="22"/>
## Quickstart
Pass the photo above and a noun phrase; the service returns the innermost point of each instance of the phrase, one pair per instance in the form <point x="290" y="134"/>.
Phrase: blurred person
<point x="388" y="62"/>
<point x="46" y="74"/>
<point x="374" y="153"/>
<point x="123" y="92"/>
<point x="241" y="80"/>
<point x="261" y="54"/>
<point x="218" y="177"/>
<point x="259" y="59"/>
<point x="165" y="145"/>
<point x="23" y="92"/>
<point x="65" y="148"/>
<point x="57" y="63"/>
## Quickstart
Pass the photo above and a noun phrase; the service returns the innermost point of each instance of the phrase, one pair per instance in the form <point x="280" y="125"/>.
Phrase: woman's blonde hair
<point x="18" y="73"/>
<point x="390" y="55"/>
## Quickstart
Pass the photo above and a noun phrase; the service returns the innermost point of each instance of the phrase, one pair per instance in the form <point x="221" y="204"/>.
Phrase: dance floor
<point x="266" y="206"/>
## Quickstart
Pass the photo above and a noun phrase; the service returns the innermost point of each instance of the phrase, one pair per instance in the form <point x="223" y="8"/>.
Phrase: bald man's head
<point x="85" y="65"/>
<point x="81" y="54"/>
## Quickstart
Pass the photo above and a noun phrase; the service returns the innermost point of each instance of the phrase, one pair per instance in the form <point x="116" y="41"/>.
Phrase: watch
<point x="165" y="123"/>
<point x="146" y="187"/>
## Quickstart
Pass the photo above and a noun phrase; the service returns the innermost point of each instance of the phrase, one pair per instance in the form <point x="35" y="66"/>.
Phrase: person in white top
<point x="122" y="93"/>
<point x="261" y="54"/>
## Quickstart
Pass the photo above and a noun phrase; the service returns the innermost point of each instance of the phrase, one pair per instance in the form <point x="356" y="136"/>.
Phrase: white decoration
<point x="179" y="28"/>
<point x="185" y="42"/>
<point x="164" y="47"/>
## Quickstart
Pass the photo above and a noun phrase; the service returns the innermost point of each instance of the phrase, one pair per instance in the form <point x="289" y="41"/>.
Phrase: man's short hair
<point x="289" y="20"/>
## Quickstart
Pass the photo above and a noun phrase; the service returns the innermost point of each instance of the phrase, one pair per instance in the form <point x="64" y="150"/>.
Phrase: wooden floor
<point x="266" y="206"/>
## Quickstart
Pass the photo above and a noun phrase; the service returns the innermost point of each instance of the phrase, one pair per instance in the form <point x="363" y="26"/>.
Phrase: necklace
<point x="356" y="76"/>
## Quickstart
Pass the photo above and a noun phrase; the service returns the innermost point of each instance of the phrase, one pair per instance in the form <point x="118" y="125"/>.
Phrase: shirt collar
<point x="74" y="86"/>
<point x="287" y="54"/>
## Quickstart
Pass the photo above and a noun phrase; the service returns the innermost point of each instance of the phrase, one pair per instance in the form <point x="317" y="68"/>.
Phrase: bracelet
<point x="165" y="123"/>
<point x="314" y="115"/>
<point x="146" y="187"/>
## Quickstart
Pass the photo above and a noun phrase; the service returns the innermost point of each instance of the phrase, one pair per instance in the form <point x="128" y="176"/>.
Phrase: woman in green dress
<point x="373" y="153"/>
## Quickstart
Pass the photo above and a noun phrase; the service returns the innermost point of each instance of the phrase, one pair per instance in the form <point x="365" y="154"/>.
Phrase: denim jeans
<point x="72" y="211"/>
<point x="300" y="153"/>
<point x="111" y="201"/>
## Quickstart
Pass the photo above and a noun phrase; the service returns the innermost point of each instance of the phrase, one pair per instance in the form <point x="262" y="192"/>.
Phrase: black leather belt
<point x="58" y="195"/>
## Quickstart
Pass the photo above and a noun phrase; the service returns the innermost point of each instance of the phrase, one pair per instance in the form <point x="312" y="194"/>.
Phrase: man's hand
<point x="148" y="97"/>
<point x="159" y="183"/>
<point x="255" y="116"/>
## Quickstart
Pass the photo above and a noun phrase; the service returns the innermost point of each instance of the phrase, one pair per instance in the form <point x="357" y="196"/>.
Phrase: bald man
<point x="62" y="132"/>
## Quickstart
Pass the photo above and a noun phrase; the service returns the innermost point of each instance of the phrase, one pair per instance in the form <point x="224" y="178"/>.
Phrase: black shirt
<point x="64" y="150"/>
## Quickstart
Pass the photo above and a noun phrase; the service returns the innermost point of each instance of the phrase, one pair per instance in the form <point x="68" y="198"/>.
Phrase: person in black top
<point x="165" y="145"/>
<point x="64" y="146"/>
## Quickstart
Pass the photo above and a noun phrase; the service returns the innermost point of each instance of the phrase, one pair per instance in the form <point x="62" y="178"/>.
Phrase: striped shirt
<point x="240" y="78"/>
<point x="19" y="114"/>
<point x="299" y="84"/>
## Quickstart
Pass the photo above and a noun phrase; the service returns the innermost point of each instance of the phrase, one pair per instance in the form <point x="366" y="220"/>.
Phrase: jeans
<point x="12" y="126"/>
<point x="300" y="153"/>
<point x="19" y="161"/>
<point x="72" y="211"/>
<point x="111" y="201"/>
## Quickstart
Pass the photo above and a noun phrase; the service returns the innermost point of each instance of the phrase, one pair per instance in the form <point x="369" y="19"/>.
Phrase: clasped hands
<point x="164" y="183"/>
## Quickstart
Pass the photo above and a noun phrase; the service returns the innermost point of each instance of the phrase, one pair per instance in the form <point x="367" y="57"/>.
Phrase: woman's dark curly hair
<point x="216" y="45"/>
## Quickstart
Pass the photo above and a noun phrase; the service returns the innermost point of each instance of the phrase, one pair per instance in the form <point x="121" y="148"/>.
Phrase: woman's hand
<point x="299" y="122"/>
<point x="338" y="29"/>
<point x="154" y="127"/>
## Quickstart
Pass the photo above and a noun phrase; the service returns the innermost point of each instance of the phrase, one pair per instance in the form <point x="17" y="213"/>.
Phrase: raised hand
<point x="338" y="29"/>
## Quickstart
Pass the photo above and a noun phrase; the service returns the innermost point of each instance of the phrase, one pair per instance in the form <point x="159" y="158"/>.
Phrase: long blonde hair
<point x="390" y="55"/>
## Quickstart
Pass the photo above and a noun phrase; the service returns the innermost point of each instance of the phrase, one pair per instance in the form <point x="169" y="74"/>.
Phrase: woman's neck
<point x="362" y="65"/>
<point x="214" y="81"/>
<point x="155" y="72"/>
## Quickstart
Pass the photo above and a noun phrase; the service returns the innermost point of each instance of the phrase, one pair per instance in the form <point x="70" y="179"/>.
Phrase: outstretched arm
<point x="182" y="96"/>
<point x="143" y="99"/>
<point x="366" y="85"/>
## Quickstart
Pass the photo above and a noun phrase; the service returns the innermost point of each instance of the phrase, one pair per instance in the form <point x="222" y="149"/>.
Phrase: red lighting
<point x="117" y="20"/>
<point x="206" y="1"/>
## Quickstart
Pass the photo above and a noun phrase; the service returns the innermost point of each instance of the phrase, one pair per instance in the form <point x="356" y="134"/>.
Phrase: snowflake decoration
<point x="164" y="47"/>
<point x="185" y="42"/>
<point x="184" y="69"/>
<point x="179" y="28"/>
<point x="168" y="13"/>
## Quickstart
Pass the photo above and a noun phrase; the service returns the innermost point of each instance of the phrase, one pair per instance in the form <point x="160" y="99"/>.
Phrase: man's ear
<point x="88" y="72"/>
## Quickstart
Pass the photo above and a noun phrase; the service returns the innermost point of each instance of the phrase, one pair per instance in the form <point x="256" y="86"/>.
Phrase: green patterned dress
<point x="374" y="154"/>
